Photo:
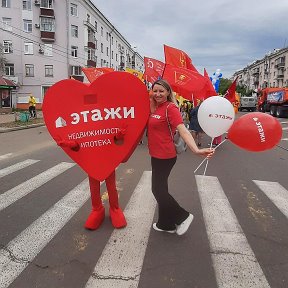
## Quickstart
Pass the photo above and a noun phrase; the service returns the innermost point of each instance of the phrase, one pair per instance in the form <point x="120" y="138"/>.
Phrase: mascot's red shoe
<point x="117" y="218"/>
<point x="95" y="219"/>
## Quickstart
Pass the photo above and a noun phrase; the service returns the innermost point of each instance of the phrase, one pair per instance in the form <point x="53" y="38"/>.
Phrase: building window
<point x="48" y="50"/>
<point x="74" y="31"/>
<point x="29" y="70"/>
<point x="96" y="44"/>
<point x="7" y="24"/>
<point x="88" y="18"/>
<point x="7" y="46"/>
<point x="27" y="5"/>
<point x="6" y="3"/>
<point x="101" y="31"/>
<point x="47" y="24"/>
<point x="74" y="9"/>
<point x="116" y="57"/>
<point x="27" y="25"/>
<point x="74" y="51"/>
<point x="112" y="55"/>
<point x="46" y="4"/>
<point x="112" y="40"/>
<point x="107" y="36"/>
<point x="101" y="47"/>
<point x="96" y="26"/>
<point x="48" y="70"/>
<point x="91" y="54"/>
<point x="28" y="48"/>
<point x="76" y="70"/>
<point x="107" y="51"/>
<point x="9" y="69"/>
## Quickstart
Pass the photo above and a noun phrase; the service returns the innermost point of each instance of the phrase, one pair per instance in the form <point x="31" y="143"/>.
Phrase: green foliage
<point x="224" y="85"/>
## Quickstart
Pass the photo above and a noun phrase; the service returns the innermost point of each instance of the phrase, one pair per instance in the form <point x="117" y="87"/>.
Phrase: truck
<point x="274" y="101"/>
<point x="248" y="103"/>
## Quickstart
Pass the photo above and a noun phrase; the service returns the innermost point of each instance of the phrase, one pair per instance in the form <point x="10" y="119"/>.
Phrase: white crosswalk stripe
<point x="276" y="193"/>
<point x="5" y="156"/>
<point x="23" y="249"/>
<point x="121" y="261"/>
<point x="28" y="186"/>
<point x="17" y="167"/>
<point x="234" y="265"/>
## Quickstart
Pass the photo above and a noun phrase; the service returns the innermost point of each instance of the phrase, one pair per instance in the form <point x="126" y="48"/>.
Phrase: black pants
<point x="32" y="111"/>
<point x="169" y="211"/>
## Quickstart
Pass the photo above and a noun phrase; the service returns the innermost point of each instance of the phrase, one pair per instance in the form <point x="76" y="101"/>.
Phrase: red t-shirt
<point x="160" y="143"/>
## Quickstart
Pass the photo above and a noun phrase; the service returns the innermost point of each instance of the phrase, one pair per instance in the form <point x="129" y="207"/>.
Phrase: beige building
<point x="270" y="71"/>
<point x="45" y="41"/>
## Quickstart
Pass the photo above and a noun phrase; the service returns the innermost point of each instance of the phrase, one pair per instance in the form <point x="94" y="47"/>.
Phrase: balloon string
<point x="207" y="158"/>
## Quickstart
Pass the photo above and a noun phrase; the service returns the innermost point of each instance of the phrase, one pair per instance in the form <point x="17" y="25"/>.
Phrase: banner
<point x="178" y="58"/>
<point x="153" y="69"/>
<point x="93" y="73"/>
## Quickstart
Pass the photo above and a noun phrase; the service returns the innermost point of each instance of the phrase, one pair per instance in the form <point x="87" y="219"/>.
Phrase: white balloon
<point x="215" y="115"/>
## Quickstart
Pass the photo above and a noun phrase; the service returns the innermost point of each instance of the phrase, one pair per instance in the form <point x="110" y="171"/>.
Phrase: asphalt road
<point x="239" y="237"/>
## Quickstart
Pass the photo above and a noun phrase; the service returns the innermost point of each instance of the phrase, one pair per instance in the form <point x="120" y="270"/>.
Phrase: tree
<point x="224" y="85"/>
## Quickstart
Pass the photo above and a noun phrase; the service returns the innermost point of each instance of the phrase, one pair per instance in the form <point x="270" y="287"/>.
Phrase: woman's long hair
<point x="166" y="85"/>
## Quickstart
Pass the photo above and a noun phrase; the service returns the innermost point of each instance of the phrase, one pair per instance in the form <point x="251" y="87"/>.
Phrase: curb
<point x="5" y="130"/>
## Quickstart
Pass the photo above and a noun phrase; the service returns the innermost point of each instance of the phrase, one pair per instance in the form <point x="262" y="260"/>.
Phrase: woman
<point x="171" y="217"/>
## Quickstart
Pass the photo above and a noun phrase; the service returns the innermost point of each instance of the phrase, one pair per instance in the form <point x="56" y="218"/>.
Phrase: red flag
<point x="93" y="73"/>
<point x="184" y="81"/>
<point x="230" y="93"/>
<point x="153" y="69"/>
<point x="178" y="58"/>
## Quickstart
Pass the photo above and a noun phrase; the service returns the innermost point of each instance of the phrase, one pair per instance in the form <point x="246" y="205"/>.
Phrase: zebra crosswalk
<point x="122" y="259"/>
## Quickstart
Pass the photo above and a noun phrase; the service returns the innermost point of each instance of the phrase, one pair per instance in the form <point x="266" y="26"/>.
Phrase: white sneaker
<point x="183" y="227"/>
<point x="160" y="230"/>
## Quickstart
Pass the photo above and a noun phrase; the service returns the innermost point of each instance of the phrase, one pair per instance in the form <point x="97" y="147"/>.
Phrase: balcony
<point x="46" y="12"/>
<point x="280" y="65"/>
<point x="47" y="36"/>
<point x="255" y="72"/>
<point x="280" y="76"/>
<point x="91" y="63"/>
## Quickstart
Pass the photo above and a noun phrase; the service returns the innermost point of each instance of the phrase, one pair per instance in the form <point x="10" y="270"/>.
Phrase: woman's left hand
<point x="207" y="152"/>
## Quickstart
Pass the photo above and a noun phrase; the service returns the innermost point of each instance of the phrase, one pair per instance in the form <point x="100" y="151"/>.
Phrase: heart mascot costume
<point x="98" y="126"/>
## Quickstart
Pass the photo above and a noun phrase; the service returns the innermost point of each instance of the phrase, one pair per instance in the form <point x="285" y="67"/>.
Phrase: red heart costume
<point x="98" y="126"/>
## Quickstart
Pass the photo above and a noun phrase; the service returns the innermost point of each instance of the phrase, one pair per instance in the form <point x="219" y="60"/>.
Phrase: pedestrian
<point x="172" y="217"/>
<point x="194" y="126"/>
<point x="32" y="106"/>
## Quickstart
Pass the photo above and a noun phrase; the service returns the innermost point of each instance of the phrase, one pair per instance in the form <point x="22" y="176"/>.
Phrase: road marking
<point x="233" y="260"/>
<point x="17" y="167"/>
<point x="5" y="156"/>
<point x="284" y="139"/>
<point x="28" y="186"/>
<point x="284" y="128"/>
<point x="276" y="193"/>
<point x="121" y="261"/>
<point x="19" y="252"/>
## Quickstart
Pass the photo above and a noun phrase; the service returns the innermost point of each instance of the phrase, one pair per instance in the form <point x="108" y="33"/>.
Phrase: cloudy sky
<point x="222" y="34"/>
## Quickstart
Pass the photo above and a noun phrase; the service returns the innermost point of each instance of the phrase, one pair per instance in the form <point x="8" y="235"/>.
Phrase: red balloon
<point x="99" y="125"/>
<point x="255" y="132"/>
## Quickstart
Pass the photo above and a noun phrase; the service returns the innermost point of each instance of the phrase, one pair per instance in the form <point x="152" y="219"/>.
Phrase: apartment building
<point x="45" y="41"/>
<point x="270" y="71"/>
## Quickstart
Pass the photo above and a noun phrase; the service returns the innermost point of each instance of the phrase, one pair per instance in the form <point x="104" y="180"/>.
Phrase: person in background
<point x="172" y="218"/>
<point x="194" y="126"/>
<point x="32" y="106"/>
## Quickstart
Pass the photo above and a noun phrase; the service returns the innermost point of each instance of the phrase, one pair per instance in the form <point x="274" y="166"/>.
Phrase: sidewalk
<point x="8" y="123"/>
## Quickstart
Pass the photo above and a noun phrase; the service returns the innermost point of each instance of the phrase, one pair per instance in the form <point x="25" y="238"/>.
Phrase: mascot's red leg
<point x="97" y="215"/>
<point x="116" y="214"/>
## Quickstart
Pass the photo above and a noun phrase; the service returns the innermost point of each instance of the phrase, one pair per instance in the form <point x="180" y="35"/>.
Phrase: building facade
<point x="45" y="41"/>
<point x="270" y="71"/>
